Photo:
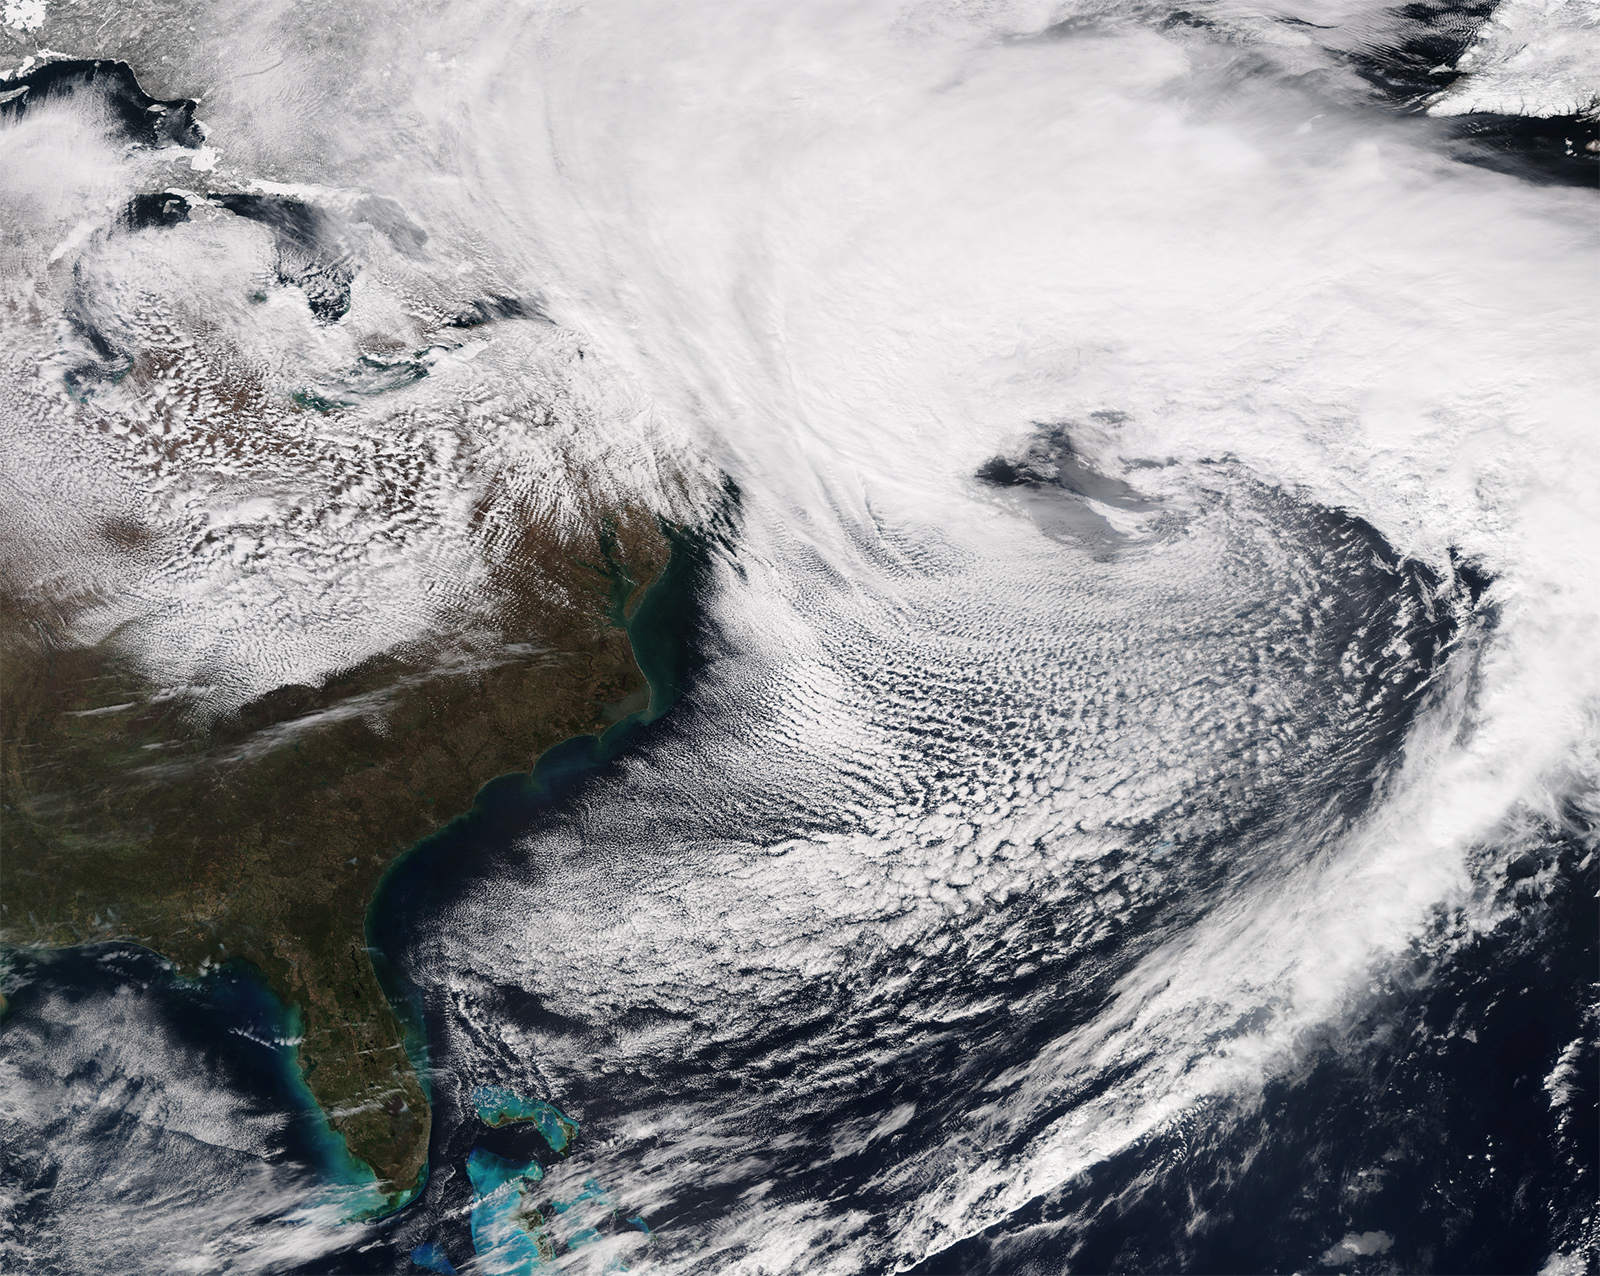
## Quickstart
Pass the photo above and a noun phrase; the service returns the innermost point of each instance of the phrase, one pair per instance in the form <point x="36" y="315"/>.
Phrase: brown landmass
<point x="260" y="837"/>
<point x="135" y="810"/>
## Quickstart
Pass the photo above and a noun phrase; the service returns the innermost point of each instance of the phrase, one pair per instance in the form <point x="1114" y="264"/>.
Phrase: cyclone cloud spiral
<point x="1059" y="540"/>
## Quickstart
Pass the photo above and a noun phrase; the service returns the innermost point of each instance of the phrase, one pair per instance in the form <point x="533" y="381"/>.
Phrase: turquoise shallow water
<point x="507" y="1232"/>
<point x="430" y="1257"/>
<point x="515" y="1231"/>
<point x="496" y="1105"/>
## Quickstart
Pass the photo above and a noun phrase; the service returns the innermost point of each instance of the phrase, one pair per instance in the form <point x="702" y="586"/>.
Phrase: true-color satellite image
<point x="799" y="636"/>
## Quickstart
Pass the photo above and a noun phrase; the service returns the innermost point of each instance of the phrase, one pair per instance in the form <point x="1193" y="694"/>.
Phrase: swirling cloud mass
<point x="1141" y="737"/>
